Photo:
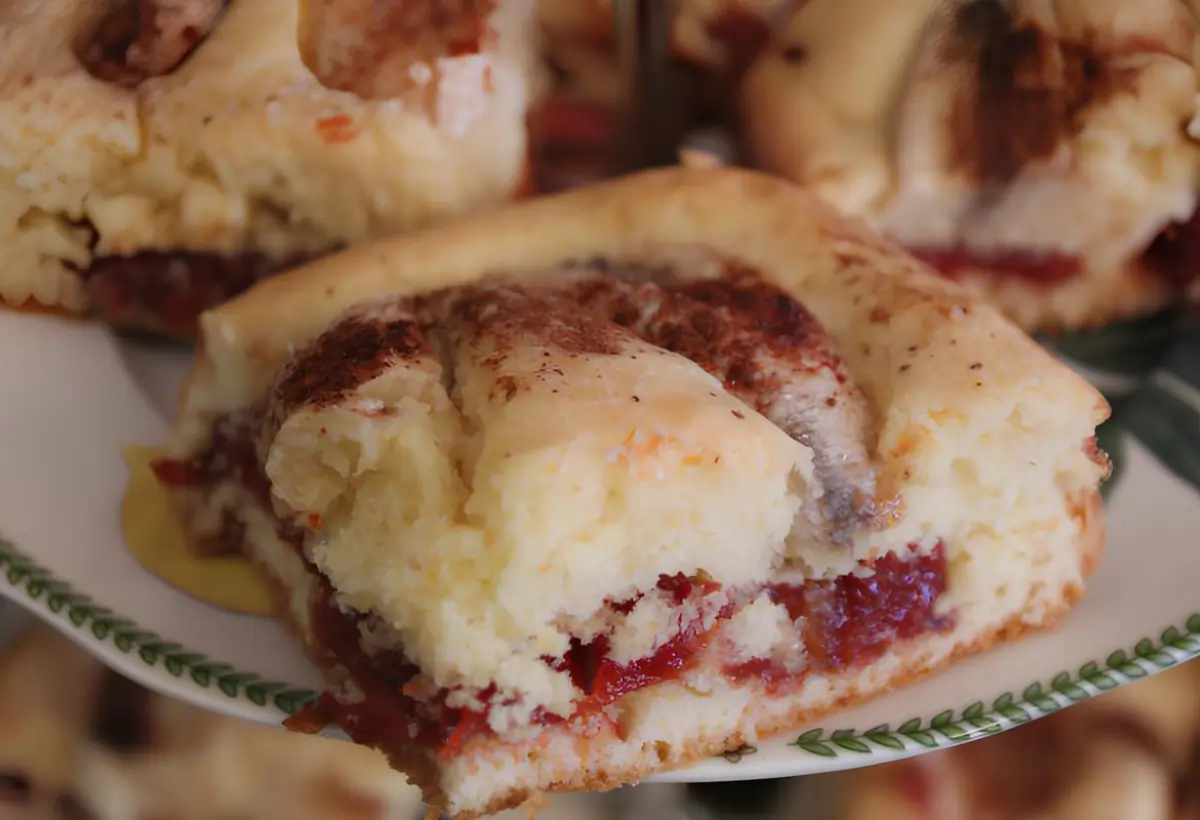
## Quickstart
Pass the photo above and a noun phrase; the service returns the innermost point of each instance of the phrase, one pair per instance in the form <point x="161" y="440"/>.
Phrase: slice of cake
<point x="591" y="487"/>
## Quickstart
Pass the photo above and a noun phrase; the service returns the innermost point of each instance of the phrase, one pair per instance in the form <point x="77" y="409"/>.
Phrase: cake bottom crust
<point x="520" y="774"/>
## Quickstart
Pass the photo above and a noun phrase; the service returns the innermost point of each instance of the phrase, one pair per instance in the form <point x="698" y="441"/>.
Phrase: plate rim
<point x="78" y="615"/>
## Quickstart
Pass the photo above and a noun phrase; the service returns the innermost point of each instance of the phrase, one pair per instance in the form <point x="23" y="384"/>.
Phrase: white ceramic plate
<point x="73" y="396"/>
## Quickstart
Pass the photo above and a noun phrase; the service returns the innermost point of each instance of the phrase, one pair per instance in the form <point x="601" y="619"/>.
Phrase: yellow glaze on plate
<point x="153" y="537"/>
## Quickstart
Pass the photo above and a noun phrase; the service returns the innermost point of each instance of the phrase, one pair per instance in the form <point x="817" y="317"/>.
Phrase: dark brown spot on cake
<point x="139" y="39"/>
<point x="724" y="325"/>
<point x="1029" y="91"/>
<point x="507" y="387"/>
<point x="352" y="352"/>
<point x="423" y="30"/>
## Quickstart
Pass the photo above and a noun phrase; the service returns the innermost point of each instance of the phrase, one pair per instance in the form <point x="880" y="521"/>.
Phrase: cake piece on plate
<point x="1036" y="151"/>
<point x="593" y="486"/>
<point x="158" y="156"/>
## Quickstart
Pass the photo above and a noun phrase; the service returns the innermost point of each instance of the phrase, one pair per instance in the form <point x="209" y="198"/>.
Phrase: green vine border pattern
<point x="1174" y="646"/>
<point x="69" y="605"/>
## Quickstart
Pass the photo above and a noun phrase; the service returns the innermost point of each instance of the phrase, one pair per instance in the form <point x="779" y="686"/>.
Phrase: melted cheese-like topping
<point x="155" y="538"/>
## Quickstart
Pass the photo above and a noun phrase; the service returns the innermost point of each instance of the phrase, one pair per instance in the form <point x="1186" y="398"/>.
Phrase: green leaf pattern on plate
<point x="58" y="596"/>
<point x="1011" y="709"/>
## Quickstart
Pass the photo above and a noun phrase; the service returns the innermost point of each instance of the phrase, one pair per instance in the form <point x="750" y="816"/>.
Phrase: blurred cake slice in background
<point x="159" y="156"/>
<point x="1036" y="151"/>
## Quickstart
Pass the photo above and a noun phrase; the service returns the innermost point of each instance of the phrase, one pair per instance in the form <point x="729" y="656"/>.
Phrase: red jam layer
<point x="232" y="457"/>
<point x="1174" y="255"/>
<point x="165" y="292"/>
<point x="849" y="622"/>
<point x="1035" y="268"/>
<point x="389" y="714"/>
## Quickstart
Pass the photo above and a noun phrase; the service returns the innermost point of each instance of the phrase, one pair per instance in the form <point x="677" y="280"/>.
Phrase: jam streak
<point x="1173" y="256"/>
<point x="848" y="622"/>
<point x="1044" y="269"/>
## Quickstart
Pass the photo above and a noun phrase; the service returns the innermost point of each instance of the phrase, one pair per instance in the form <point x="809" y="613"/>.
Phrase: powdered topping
<point x="769" y="351"/>
<point x="354" y="351"/>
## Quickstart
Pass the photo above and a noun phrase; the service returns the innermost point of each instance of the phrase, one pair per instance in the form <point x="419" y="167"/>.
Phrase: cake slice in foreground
<point x="591" y="487"/>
